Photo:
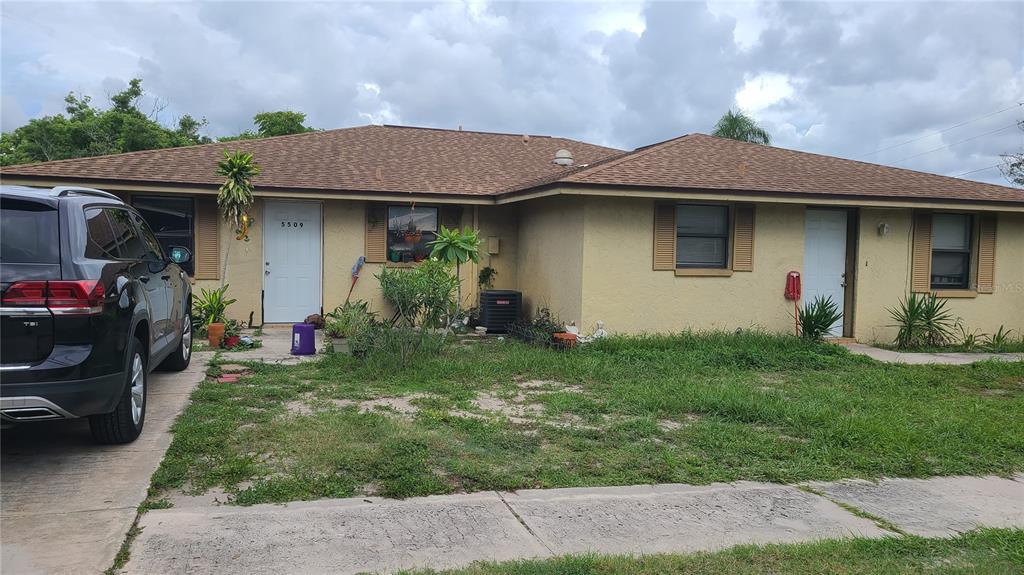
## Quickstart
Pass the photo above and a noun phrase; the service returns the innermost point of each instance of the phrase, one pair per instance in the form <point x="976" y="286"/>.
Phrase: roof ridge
<point x="186" y="147"/>
<point x="862" y="162"/>
<point x="638" y="152"/>
<point x="484" y="132"/>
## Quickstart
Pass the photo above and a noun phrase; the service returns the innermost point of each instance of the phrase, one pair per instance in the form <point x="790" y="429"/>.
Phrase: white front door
<point x="825" y="259"/>
<point x="291" y="261"/>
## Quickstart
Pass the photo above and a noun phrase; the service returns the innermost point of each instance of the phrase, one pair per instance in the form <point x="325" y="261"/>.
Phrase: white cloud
<point x="842" y="79"/>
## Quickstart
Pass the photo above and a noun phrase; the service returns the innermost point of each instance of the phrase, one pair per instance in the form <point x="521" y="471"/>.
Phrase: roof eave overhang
<point x="526" y="194"/>
<point x="260" y="191"/>
<point x="708" y="194"/>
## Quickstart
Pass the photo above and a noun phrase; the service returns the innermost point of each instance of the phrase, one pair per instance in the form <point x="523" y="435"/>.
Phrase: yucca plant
<point x="817" y="318"/>
<point x="999" y="341"/>
<point x="923" y="320"/>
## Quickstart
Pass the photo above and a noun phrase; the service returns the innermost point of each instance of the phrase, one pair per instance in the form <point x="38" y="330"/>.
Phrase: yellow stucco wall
<point x="589" y="258"/>
<point x="621" y="289"/>
<point x="550" y="251"/>
<point x="883" y="277"/>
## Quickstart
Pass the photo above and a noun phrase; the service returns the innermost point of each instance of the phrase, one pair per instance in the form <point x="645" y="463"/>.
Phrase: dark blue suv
<point x="89" y="305"/>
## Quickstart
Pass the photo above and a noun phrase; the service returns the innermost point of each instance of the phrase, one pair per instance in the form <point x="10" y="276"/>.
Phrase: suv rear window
<point x="28" y="233"/>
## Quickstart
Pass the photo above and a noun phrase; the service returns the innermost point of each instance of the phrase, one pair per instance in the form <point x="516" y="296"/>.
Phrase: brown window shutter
<point x="987" y="254"/>
<point x="376" y="233"/>
<point x="743" y="239"/>
<point x="207" y="239"/>
<point x="664" y="237"/>
<point x="921" y="266"/>
<point x="451" y="217"/>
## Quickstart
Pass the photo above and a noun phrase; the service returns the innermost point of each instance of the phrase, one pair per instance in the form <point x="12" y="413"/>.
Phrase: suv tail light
<point x="62" y="297"/>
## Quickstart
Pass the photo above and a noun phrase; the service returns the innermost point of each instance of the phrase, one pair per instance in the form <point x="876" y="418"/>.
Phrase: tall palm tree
<point x="235" y="195"/>
<point x="739" y="126"/>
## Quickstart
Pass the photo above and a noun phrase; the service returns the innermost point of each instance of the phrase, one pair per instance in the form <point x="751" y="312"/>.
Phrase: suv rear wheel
<point x="124" y="424"/>
<point x="182" y="356"/>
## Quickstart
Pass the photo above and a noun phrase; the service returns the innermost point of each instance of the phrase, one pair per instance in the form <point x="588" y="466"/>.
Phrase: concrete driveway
<point x="67" y="503"/>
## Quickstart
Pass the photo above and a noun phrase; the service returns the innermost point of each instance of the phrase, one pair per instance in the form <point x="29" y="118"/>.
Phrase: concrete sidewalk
<point x="950" y="358"/>
<point x="382" y="535"/>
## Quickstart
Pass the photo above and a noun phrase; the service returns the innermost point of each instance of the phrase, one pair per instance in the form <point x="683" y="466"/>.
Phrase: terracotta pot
<point x="231" y="341"/>
<point x="215" y="334"/>
<point x="566" y="339"/>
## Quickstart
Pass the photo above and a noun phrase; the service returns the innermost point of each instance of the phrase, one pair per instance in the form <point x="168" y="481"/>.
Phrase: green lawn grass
<point x="688" y="408"/>
<point x="990" y="551"/>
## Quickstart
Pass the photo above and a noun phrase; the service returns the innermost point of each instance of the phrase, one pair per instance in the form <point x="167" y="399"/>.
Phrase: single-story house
<point x="695" y="232"/>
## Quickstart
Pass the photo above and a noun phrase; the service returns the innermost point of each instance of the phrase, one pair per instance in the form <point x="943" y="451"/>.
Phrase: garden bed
<point x="505" y="415"/>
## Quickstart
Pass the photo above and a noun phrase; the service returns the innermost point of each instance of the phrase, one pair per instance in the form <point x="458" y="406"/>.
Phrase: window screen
<point x="702" y="236"/>
<point x="951" y="251"/>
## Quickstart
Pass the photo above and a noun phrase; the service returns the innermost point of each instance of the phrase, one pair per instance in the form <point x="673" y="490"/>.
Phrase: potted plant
<point x="232" y="333"/>
<point x="412" y="236"/>
<point x="211" y="306"/>
<point x="486" y="278"/>
<point x="345" y="322"/>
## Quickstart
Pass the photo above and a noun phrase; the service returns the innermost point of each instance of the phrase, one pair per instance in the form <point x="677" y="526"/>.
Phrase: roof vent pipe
<point x="563" y="157"/>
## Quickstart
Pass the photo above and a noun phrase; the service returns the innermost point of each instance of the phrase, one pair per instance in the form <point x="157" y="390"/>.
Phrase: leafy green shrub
<point x="382" y="344"/>
<point x="348" y="319"/>
<point x="538" y="330"/>
<point x="422" y="296"/>
<point x="210" y="307"/>
<point x="923" y="320"/>
<point x="970" y="340"/>
<point x="817" y="317"/>
<point x="1000" y="341"/>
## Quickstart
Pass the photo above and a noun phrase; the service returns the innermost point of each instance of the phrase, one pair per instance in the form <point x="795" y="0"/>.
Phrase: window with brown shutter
<point x="386" y="227"/>
<point x="207" y="239"/>
<point x="953" y="254"/>
<point x="704" y="239"/>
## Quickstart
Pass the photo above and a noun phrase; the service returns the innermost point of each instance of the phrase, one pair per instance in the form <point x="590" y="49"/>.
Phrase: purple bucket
<point x="303" y="339"/>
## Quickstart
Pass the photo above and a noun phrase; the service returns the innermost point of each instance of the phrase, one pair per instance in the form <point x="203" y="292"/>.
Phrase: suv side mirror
<point x="180" y="255"/>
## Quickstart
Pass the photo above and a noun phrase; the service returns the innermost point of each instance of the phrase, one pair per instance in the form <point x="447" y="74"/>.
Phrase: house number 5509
<point x="291" y="224"/>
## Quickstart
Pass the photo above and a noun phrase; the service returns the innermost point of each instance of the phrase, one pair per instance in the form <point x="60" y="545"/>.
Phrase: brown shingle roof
<point x="365" y="158"/>
<point x="698" y="161"/>
<point x="434" y="161"/>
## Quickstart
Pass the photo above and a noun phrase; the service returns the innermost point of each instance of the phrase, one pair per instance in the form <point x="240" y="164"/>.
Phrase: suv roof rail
<point x="64" y="191"/>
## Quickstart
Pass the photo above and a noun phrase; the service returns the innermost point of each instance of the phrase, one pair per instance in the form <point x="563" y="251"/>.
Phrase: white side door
<point x="825" y="259"/>
<point x="291" y="261"/>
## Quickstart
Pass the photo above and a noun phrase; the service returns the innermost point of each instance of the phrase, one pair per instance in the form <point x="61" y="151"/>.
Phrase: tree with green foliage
<point x="456" y="247"/>
<point x="739" y="126"/>
<point x="84" y="130"/>
<point x="280" y="123"/>
<point x="1013" y="164"/>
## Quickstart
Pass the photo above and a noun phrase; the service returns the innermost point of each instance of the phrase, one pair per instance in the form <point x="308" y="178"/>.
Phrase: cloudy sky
<point x="855" y="80"/>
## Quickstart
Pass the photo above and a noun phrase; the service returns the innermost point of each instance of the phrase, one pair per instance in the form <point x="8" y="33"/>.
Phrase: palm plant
<point x="235" y="196"/>
<point x="739" y="126"/>
<point x="456" y="247"/>
<point x="923" y="320"/>
<point x="817" y="318"/>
